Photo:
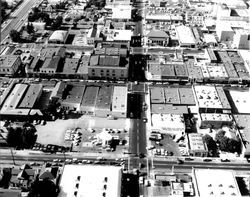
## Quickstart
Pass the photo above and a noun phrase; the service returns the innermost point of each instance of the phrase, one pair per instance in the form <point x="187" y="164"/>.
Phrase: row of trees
<point x="222" y="142"/>
<point x="97" y="3"/>
<point x="4" y="7"/>
<point x="22" y="137"/>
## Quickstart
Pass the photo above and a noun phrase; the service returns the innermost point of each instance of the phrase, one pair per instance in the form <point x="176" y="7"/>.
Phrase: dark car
<point x="179" y="161"/>
<point x="207" y="160"/>
<point x="189" y="159"/>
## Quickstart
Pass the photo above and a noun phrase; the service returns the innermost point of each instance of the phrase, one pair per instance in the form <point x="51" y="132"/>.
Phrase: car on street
<point x="207" y="160"/>
<point x="145" y="120"/>
<point x="179" y="161"/>
<point x="225" y="160"/>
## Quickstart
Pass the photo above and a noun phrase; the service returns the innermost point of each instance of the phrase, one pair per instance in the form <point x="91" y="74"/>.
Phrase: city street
<point x="17" y="18"/>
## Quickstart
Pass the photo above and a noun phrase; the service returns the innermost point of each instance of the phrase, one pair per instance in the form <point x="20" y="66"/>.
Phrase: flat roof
<point x="121" y="12"/>
<point x="223" y="98"/>
<point x="185" y="35"/>
<point x="168" y="122"/>
<point x="10" y="104"/>
<point x="8" y="60"/>
<point x="186" y="96"/>
<point x="196" y="142"/>
<point x="89" y="97"/>
<point x="83" y="66"/>
<point x="207" y="97"/>
<point x="216" y="182"/>
<point x="241" y="100"/>
<point x="91" y="180"/>
<point x="180" y="70"/>
<point x="168" y="109"/>
<point x="74" y="94"/>
<point x="109" y="60"/>
<point x="243" y="121"/>
<point x="94" y="59"/>
<point x="216" y="117"/>
<point x="122" y="35"/>
<point x="31" y="96"/>
<point x="172" y="95"/>
<point x="70" y="65"/>
<point x="157" y="95"/>
<point x="210" y="38"/>
<point x="119" y="100"/>
<point x="194" y="71"/>
<point x="104" y="97"/>
<point x="167" y="71"/>
<point x="217" y="71"/>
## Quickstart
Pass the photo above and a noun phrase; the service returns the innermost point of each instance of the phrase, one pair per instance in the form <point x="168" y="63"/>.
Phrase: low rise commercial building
<point x="186" y="36"/>
<point x="241" y="39"/>
<point x="241" y="100"/>
<point x="89" y="100"/>
<point x="216" y="183"/>
<point x="119" y="102"/>
<point x="89" y="180"/>
<point x="197" y="147"/>
<point x="58" y="37"/>
<point x="214" y="120"/>
<point x="104" y="101"/>
<point x="9" y="64"/>
<point x="157" y="37"/>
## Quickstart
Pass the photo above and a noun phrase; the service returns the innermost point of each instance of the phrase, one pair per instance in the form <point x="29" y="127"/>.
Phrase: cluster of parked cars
<point x="51" y="148"/>
<point x="114" y="130"/>
<point x="73" y="135"/>
<point x="162" y="152"/>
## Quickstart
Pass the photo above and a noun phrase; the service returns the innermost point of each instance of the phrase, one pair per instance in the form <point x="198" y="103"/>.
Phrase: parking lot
<point x="164" y="147"/>
<point x="84" y="134"/>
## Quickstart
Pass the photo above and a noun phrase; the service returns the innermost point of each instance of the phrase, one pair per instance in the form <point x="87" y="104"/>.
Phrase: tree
<point x="234" y="146"/>
<point x="57" y="22"/>
<point x="24" y="137"/>
<point x="43" y="188"/>
<point x="219" y="135"/>
<point x="15" y="35"/>
<point x="211" y="144"/>
<point x="30" y="28"/>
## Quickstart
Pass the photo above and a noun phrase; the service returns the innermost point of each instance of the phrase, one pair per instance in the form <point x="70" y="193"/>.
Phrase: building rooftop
<point x="194" y="71"/>
<point x="157" y="34"/>
<point x="207" y="97"/>
<point x="214" y="72"/>
<point x="157" y="95"/>
<point x="211" y="183"/>
<point x="8" y="60"/>
<point x="181" y="70"/>
<point x="83" y="66"/>
<point x="167" y="71"/>
<point x="186" y="96"/>
<point x="74" y="93"/>
<point x="70" y="65"/>
<point x="121" y="12"/>
<point x="216" y="117"/>
<point x="104" y="97"/>
<point x="89" y="180"/>
<point x="168" y="122"/>
<point x="31" y="96"/>
<point x="185" y="35"/>
<point x="168" y="109"/>
<point x="58" y="35"/>
<point x="196" y="142"/>
<point x="109" y="60"/>
<point x="119" y="99"/>
<point x="172" y="95"/>
<point x="90" y="97"/>
<point x="241" y="100"/>
<point x="12" y="101"/>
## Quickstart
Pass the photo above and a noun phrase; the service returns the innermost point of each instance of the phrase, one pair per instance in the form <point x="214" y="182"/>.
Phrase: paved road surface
<point x="17" y="18"/>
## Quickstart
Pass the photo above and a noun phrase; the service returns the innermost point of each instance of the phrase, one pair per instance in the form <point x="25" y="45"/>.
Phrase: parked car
<point x="225" y="160"/>
<point x="207" y="160"/>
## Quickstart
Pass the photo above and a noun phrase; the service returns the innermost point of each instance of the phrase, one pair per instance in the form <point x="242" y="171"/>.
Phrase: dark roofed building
<point x="50" y="65"/>
<point x="89" y="100"/>
<point x="103" y="102"/>
<point x="32" y="95"/>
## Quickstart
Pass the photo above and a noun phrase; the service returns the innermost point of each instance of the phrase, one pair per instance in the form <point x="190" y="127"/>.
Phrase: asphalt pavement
<point x="17" y="18"/>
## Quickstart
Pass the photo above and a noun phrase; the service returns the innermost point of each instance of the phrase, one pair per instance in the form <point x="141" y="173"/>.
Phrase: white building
<point x="89" y="180"/>
<point x="186" y="36"/>
<point x="119" y="102"/>
<point x="216" y="183"/>
<point x="121" y="13"/>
